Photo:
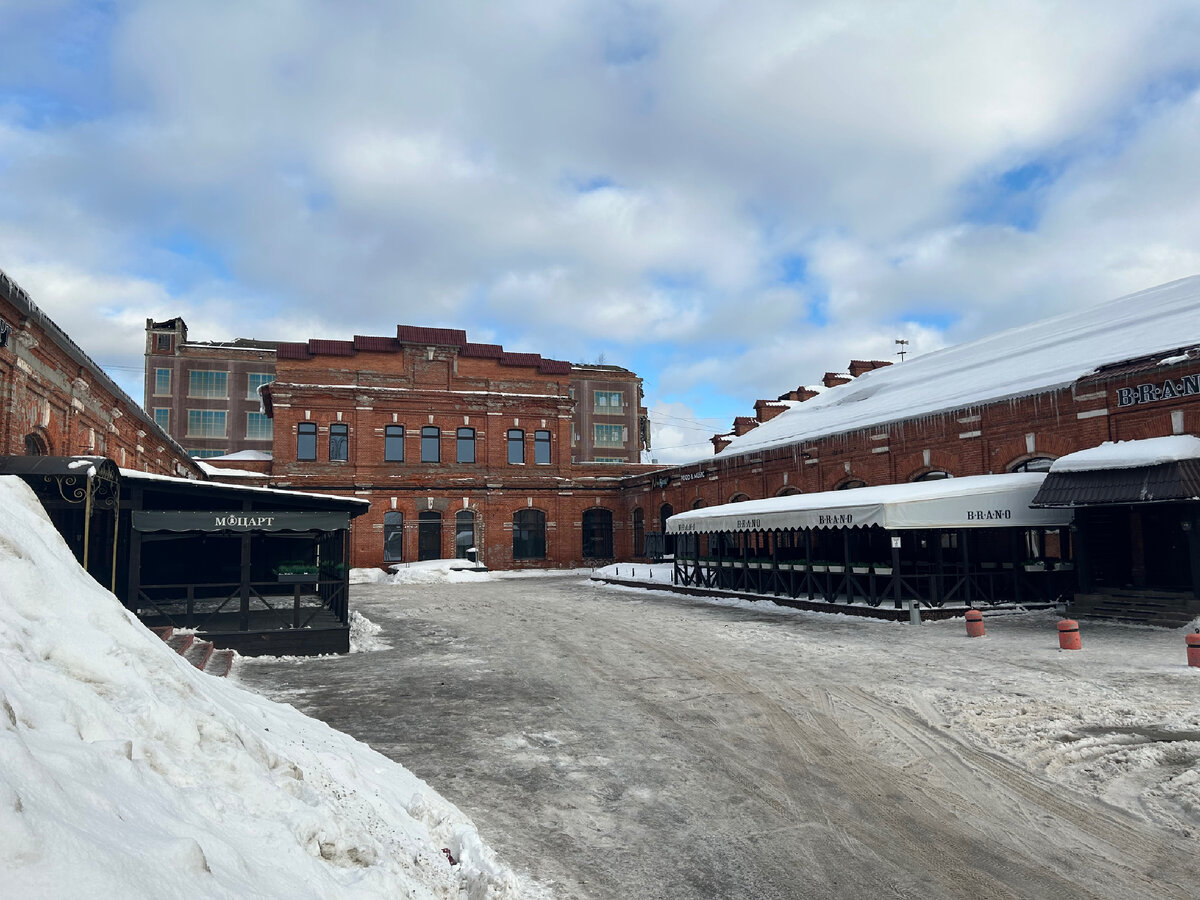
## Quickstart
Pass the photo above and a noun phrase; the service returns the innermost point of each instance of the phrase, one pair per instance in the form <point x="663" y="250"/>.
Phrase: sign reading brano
<point x="224" y="520"/>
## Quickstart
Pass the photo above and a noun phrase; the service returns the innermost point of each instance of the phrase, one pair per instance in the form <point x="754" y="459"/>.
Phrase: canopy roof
<point x="1154" y="470"/>
<point x="977" y="501"/>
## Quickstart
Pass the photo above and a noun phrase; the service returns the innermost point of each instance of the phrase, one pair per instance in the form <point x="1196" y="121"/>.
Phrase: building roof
<point x="1031" y="359"/>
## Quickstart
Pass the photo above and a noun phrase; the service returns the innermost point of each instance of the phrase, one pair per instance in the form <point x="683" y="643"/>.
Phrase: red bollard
<point x="1068" y="635"/>
<point x="974" y="623"/>
<point x="1193" y="649"/>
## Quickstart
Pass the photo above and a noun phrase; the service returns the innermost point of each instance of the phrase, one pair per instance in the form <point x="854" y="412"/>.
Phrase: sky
<point x="729" y="198"/>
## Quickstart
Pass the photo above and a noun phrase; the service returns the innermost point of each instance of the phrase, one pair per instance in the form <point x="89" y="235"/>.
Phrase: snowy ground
<point x="616" y="742"/>
<point x="125" y="772"/>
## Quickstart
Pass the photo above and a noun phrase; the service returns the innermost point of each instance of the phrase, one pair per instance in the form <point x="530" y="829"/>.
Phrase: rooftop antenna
<point x="900" y="353"/>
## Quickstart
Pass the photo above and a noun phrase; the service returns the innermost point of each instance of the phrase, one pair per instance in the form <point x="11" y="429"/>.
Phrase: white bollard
<point x="914" y="612"/>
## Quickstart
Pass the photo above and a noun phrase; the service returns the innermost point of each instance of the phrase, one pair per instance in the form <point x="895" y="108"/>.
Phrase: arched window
<point x="541" y="448"/>
<point x="339" y="442"/>
<point x="639" y="532"/>
<point x="306" y="441"/>
<point x="393" y="537"/>
<point x="851" y="484"/>
<point x="464" y="532"/>
<point x="431" y="444"/>
<point x="739" y="497"/>
<point x="1034" y="464"/>
<point x="516" y="447"/>
<point x="788" y="491"/>
<point x="465" y="445"/>
<point x="429" y="534"/>
<point x="699" y="503"/>
<point x="393" y="443"/>
<point x="933" y="475"/>
<point x="597" y="534"/>
<point x="529" y="534"/>
<point x="35" y="445"/>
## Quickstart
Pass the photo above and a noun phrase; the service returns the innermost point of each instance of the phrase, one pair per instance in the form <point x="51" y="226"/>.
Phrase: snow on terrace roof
<point x="1031" y="359"/>
<point x="1130" y="454"/>
<point x="976" y="501"/>
<point x="150" y="476"/>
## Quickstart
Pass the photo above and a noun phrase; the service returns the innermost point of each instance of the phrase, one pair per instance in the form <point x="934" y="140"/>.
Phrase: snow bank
<point x="124" y="772"/>
<point x="437" y="571"/>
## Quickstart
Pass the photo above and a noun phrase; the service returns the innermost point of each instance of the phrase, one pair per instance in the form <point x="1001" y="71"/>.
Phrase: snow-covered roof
<point x="244" y="454"/>
<point x="1130" y="454"/>
<point x="1035" y="358"/>
<point x="976" y="501"/>
<point x="150" y="476"/>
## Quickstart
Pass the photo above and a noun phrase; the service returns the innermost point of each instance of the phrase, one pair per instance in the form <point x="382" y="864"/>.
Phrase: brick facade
<point x="353" y="404"/>
<point x="57" y="402"/>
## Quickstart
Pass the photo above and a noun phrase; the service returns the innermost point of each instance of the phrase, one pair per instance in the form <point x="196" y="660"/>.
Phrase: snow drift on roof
<point x="1031" y="359"/>
<point x="1130" y="454"/>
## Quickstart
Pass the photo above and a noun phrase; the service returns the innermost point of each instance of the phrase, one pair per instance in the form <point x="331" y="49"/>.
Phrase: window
<point x="610" y="403"/>
<point x="541" y="448"/>
<point x="258" y="427"/>
<point x="162" y="382"/>
<point x="1035" y="464"/>
<point x="206" y="383"/>
<point x="639" y="532"/>
<point x="529" y="534"/>
<point x="609" y="459"/>
<point x="205" y="454"/>
<point x="933" y="475"/>
<point x="608" y="435"/>
<point x="597" y="534"/>
<point x="306" y="440"/>
<point x="339" y="442"/>
<point x="393" y="537"/>
<point x="431" y="444"/>
<point x="206" y="423"/>
<point x="852" y="485"/>
<point x="162" y="417"/>
<point x="465" y="445"/>
<point x="516" y="447"/>
<point x="464" y="532"/>
<point x="393" y="443"/>
<point x="254" y="381"/>
<point x="163" y="343"/>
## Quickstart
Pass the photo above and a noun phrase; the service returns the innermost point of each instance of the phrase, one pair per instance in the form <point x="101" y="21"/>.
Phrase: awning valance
<point x="977" y="501"/>
<point x="1151" y="470"/>
<point x="223" y="520"/>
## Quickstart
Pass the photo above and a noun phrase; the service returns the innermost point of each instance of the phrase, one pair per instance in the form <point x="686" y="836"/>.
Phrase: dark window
<point x="541" y="448"/>
<point x="164" y="343"/>
<point x="516" y="447"/>
<point x="933" y="475"/>
<point x="339" y="442"/>
<point x="639" y="532"/>
<point x="665" y="512"/>
<point x="597" y="534"/>
<point x="851" y="485"/>
<point x="393" y="537"/>
<point x="1036" y="464"/>
<point x="529" y="534"/>
<point x="306" y="440"/>
<point x="466" y="445"/>
<point x="464" y="532"/>
<point x="431" y="444"/>
<point x="393" y="443"/>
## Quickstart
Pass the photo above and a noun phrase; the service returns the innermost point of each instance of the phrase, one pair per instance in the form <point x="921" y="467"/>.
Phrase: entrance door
<point x="429" y="535"/>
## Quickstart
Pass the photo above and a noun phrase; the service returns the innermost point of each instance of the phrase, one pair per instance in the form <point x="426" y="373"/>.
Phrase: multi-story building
<point x="610" y="423"/>
<point x="205" y="393"/>
<point x="456" y="444"/>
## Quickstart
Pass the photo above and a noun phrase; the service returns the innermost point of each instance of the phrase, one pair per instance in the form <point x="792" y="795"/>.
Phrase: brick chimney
<point x="833" y="379"/>
<point x="766" y="410"/>
<point x="858" y="366"/>
<point x="744" y="424"/>
<point x="721" y="441"/>
<point x="801" y="393"/>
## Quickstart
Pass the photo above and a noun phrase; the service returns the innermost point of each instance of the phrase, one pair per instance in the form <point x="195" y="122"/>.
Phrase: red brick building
<point x="456" y="444"/>
<point x="1117" y="371"/>
<point x="58" y="402"/>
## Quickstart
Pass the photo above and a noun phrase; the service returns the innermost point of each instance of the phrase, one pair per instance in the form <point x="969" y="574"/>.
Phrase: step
<point x="181" y="642"/>
<point x="219" y="663"/>
<point x="199" y="653"/>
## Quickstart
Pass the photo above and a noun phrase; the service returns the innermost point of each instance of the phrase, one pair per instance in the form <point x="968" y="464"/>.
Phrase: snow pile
<point x="368" y="576"/>
<point x="1130" y="454"/>
<point x="364" y="634"/>
<point x="1034" y="358"/>
<point x="437" y="571"/>
<point x="124" y="772"/>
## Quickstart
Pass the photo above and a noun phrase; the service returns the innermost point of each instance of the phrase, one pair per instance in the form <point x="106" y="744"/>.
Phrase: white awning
<point x="976" y="501"/>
